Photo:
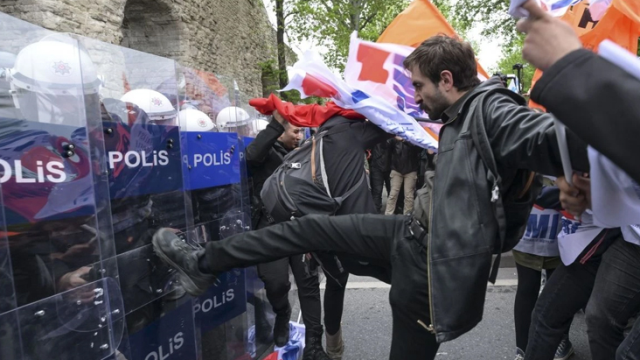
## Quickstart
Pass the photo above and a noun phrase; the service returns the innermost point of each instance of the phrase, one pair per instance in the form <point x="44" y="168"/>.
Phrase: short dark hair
<point x="440" y="53"/>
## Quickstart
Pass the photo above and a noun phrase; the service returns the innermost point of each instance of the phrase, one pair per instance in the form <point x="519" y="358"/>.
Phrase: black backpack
<point x="511" y="205"/>
<point x="300" y="186"/>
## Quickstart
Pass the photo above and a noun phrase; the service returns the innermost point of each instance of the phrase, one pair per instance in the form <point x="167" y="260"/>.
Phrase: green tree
<point x="271" y="77"/>
<point x="330" y="23"/>
<point x="447" y="9"/>
<point x="283" y="78"/>
<point x="490" y="15"/>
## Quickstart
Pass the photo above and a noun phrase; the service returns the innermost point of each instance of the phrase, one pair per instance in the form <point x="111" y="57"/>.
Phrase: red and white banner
<point x="312" y="77"/>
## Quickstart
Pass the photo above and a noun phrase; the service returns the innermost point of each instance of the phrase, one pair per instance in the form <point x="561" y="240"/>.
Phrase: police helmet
<point x="157" y="106"/>
<point x="51" y="77"/>
<point x="195" y="120"/>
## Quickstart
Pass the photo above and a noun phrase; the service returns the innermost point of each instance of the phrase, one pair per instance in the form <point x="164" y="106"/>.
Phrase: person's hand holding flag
<point x="575" y="197"/>
<point x="548" y="38"/>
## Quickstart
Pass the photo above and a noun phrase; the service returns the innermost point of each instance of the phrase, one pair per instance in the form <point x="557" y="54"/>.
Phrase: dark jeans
<point x="382" y="239"/>
<point x="630" y="347"/>
<point x="615" y="299"/>
<point x="572" y="287"/>
<point x="379" y="179"/>
<point x="275" y="276"/>
<point x="526" y="297"/>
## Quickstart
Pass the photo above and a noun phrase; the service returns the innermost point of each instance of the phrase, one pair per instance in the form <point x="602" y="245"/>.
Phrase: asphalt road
<point x="367" y="324"/>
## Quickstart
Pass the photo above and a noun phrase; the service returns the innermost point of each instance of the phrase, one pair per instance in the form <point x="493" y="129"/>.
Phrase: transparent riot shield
<point x="142" y="157"/>
<point x="57" y="301"/>
<point x="211" y="157"/>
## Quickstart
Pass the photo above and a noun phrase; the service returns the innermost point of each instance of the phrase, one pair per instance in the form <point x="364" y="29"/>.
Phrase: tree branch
<point x="330" y="10"/>
<point x="291" y="13"/>
<point x="366" y="21"/>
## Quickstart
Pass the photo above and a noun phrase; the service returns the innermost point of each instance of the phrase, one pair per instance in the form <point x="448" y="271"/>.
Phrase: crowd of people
<point x="475" y="203"/>
<point x="398" y="167"/>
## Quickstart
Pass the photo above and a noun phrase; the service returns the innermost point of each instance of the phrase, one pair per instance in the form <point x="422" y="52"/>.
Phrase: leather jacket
<point x="380" y="157"/>
<point x="462" y="229"/>
<point x="405" y="157"/>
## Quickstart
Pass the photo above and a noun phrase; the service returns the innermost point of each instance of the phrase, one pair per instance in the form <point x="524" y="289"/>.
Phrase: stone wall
<point x="226" y="37"/>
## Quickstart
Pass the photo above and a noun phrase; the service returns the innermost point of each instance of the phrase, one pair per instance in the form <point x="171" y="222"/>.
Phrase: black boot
<point x="281" y="328"/>
<point x="184" y="258"/>
<point x="313" y="348"/>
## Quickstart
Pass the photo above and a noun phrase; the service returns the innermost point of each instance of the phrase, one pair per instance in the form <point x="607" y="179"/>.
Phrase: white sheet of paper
<point x="561" y="135"/>
<point x="620" y="56"/>
<point x="572" y="245"/>
<point x="615" y="197"/>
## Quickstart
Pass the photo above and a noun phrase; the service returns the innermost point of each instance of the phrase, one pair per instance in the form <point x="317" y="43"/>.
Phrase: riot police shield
<point x="212" y="176"/>
<point x="142" y="156"/>
<point x="211" y="158"/>
<point x="57" y="300"/>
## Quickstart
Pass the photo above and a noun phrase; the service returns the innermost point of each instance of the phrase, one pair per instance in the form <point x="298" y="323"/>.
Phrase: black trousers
<point x="615" y="299"/>
<point x="382" y="239"/>
<point x="526" y="297"/>
<point x="379" y="179"/>
<point x="567" y="291"/>
<point x="275" y="276"/>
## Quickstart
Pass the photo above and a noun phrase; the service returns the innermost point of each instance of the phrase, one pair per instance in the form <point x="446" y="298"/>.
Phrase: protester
<point x="343" y="156"/>
<point x="380" y="170"/>
<point x="606" y="277"/>
<point x="537" y="251"/>
<point x="404" y="171"/>
<point x="264" y="155"/>
<point x="596" y="99"/>
<point x="431" y="301"/>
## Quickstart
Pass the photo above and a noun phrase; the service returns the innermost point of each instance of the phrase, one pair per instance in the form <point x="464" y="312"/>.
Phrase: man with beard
<point x="440" y="257"/>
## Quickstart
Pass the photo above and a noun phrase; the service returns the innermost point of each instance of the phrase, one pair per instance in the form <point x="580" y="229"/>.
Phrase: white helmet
<point x="156" y="105"/>
<point x="195" y="120"/>
<point x="232" y="117"/>
<point x="55" y="65"/>
<point x="49" y="76"/>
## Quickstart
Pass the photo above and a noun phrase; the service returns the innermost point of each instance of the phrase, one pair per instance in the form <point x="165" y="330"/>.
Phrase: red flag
<point x="313" y="115"/>
<point x="312" y="86"/>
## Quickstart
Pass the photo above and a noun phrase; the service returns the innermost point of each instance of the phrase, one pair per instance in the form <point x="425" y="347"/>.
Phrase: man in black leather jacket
<point x="440" y="257"/>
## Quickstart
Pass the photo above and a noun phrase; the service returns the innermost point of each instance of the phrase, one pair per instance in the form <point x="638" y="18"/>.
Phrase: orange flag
<point x="631" y="8"/>
<point x="418" y="22"/>
<point x="620" y="24"/>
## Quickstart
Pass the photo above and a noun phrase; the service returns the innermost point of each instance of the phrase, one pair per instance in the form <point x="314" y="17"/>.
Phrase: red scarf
<point x="313" y="115"/>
